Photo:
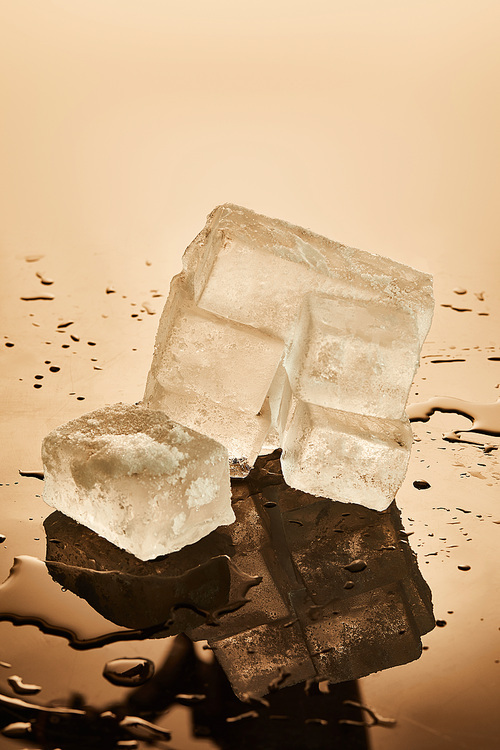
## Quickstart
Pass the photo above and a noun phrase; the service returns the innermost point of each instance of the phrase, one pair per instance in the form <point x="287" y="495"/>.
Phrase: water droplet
<point x="441" y="623"/>
<point x="463" y="567"/>
<point x="22" y="688"/>
<point x="91" y="343"/>
<point x="421" y="484"/>
<point x="9" y="344"/>
<point x="37" y="385"/>
<point x="38" y="377"/>
<point x="54" y="368"/>
<point x="38" y="297"/>
<point x="356" y="566"/>
<point x="349" y="585"/>
<point x="129" y="672"/>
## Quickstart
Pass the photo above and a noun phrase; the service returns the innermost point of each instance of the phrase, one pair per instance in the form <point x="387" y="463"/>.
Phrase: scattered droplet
<point x="349" y="585"/>
<point x="32" y="258"/>
<point x="190" y="699"/>
<point x="38" y="377"/>
<point x="65" y="325"/>
<point x="5" y="664"/>
<point x="421" y="484"/>
<point x="129" y="672"/>
<point x="246" y="715"/>
<point x="458" y="309"/>
<point x="54" y="368"/>
<point x="22" y="688"/>
<point x="37" y="385"/>
<point x="43" y="279"/>
<point x="17" y="729"/>
<point x="34" y="474"/>
<point x="463" y="567"/>
<point x="441" y="623"/>
<point x="91" y="343"/>
<point x="2" y="540"/>
<point x="460" y="290"/>
<point x="9" y="344"/>
<point x="356" y="566"/>
<point x="38" y="297"/>
<point x="110" y="290"/>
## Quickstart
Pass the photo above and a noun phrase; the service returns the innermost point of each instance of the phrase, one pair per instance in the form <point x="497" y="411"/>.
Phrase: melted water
<point x="485" y="418"/>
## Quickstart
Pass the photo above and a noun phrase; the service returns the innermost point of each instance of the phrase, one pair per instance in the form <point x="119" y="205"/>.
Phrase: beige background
<point x="375" y="123"/>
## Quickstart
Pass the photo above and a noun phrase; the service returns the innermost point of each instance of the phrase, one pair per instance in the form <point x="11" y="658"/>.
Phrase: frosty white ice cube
<point x="353" y="356"/>
<point x="345" y="456"/>
<point x="142" y="481"/>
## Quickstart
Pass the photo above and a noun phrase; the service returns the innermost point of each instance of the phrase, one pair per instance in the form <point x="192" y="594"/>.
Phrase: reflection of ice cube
<point x="312" y="614"/>
<point x="343" y="621"/>
<point x="345" y="456"/>
<point x="140" y="480"/>
<point x="354" y="356"/>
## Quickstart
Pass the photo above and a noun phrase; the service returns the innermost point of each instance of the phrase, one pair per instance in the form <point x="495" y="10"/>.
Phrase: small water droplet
<point x="356" y="566"/>
<point x="9" y="344"/>
<point x="441" y="623"/>
<point x="54" y="368"/>
<point x="349" y="585"/>
<point x="22" y="688"/>
<point x="129" y="672"/>
<point x="463" y="567"/>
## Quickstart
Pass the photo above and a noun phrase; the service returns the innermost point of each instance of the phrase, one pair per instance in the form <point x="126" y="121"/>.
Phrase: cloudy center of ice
<point x="132" y="454"/>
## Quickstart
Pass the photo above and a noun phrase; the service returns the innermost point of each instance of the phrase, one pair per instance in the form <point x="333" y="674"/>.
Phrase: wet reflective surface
<point x="316" y="610"/>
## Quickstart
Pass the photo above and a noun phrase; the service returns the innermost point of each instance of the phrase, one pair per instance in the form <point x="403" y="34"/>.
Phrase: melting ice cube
<point x="276" y="337"/>
<point x="143" y="482"/>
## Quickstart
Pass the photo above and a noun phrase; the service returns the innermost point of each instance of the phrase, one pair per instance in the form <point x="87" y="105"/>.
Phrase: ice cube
<point x="267" y="315"/>
<point x="255" y="270"/>
<point x="345" y="456"/>
<point x="353" y="356"/>
<point x="142" y="481"/>
<point x="212" y="374"/>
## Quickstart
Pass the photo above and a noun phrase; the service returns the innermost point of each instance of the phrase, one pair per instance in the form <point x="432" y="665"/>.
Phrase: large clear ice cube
<point x="213" y="374"/>
<point x="140" y="480"/>
<point x="353" y="356"/>
<point x="267" y="315"/>
<point x="255" y="270"/>
<point x="345" y="456"/>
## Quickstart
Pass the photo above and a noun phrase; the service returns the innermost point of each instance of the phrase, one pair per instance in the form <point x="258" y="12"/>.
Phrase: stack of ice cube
<point x="273" y="336"/>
